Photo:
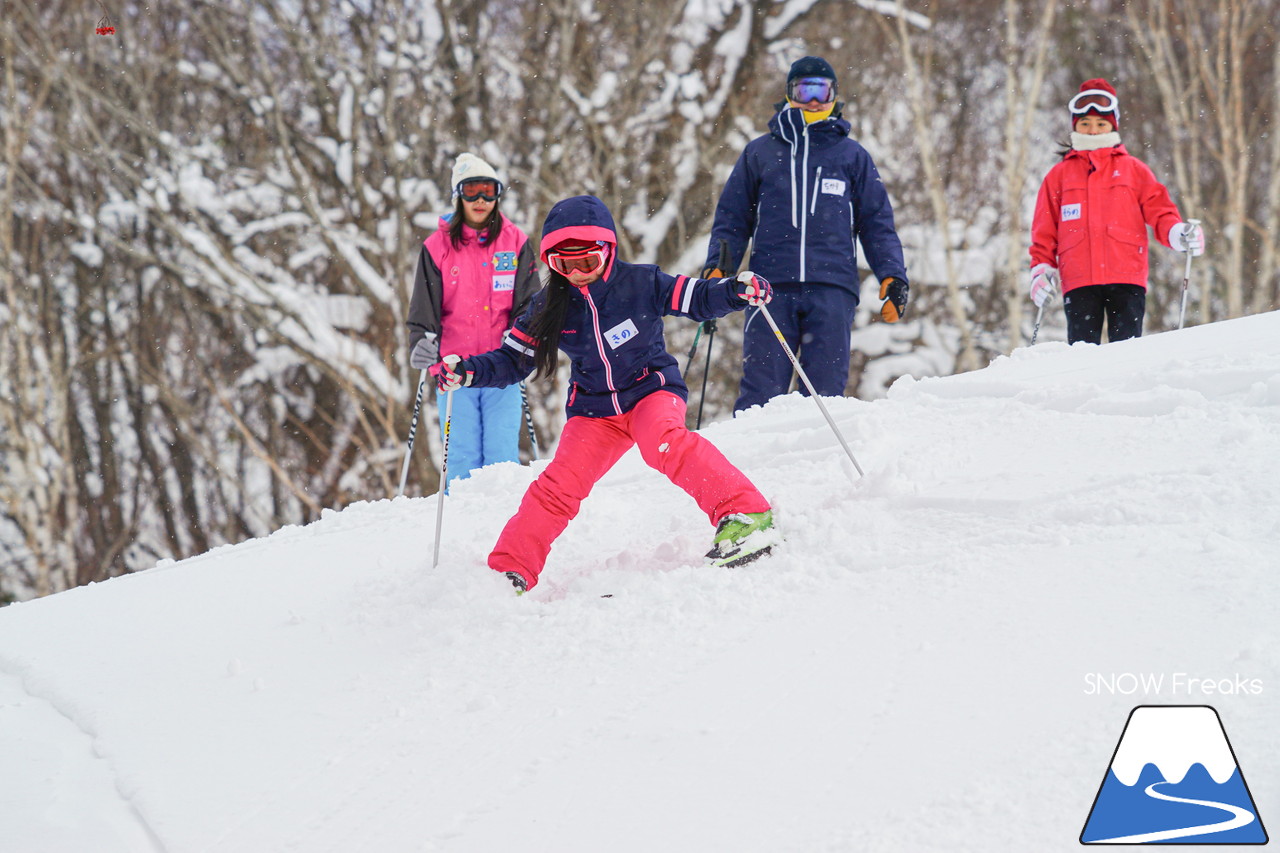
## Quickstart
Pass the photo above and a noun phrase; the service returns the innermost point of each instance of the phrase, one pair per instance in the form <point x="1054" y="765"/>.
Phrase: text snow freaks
<point x="1172" y="683"/>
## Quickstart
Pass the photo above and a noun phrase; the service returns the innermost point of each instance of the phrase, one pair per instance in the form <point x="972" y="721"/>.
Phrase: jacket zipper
<point x="604" y="356"/>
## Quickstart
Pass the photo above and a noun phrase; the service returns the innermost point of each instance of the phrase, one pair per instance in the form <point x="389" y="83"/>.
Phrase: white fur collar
<point x="1094" y="141"/>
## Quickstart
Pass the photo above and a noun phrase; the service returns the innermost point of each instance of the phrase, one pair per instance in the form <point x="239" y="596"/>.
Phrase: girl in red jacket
<point x="1090" y="228"/>
<point x="475" y="275"/>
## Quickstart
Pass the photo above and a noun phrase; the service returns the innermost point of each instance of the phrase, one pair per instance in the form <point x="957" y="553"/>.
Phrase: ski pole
<point x="693" y="349"/>
<point x="1036" y="330"/>
<point x="1186" y="275"/>
<point x="413" y="430"/>
<point x="528" y="421"/>
<point x="702" y="398"/>
<point x="710" y="325"/>
<point x="764" y="309"/>
<point x="444" y="465"/>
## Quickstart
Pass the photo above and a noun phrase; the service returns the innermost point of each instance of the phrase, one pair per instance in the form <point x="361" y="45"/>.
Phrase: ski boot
<point x="742" y="538"/>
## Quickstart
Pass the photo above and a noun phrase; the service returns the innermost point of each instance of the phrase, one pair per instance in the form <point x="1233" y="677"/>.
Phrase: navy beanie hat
<point x="810" y="66"/>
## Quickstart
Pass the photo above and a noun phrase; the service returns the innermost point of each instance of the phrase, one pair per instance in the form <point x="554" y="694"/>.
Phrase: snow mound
<point x="909" y="671"/>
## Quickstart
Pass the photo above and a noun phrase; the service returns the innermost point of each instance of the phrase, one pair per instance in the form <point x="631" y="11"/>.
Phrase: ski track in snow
<point x="51" y="748"/>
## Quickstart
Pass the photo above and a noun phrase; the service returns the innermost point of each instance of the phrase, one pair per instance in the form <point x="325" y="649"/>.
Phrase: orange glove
<point x="894" y="292"/>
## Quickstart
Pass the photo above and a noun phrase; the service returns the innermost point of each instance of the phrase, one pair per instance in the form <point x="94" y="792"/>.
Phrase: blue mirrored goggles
<point x="802" y="90"/>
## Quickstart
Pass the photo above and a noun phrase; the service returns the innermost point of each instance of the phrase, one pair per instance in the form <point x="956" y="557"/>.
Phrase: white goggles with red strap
<point x="1098" y="100"/>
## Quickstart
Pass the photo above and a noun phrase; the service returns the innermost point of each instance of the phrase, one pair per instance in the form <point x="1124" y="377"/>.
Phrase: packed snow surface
<point x="940" y="657"/>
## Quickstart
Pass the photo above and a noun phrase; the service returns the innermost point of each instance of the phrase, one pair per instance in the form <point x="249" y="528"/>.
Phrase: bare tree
<point x="1204" y="60"/>
<point x="1026" y="59"/>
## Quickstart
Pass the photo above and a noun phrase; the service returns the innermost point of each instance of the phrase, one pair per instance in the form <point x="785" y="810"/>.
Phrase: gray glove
<point x="426" y="352"/>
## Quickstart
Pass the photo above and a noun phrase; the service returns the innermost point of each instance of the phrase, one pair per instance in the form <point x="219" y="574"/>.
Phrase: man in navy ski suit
<point x="803" y="193"/>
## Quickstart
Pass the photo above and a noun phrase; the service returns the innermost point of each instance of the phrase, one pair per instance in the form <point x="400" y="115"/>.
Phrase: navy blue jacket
<point x="804" y="193"/>
<point x="612" y="329"/>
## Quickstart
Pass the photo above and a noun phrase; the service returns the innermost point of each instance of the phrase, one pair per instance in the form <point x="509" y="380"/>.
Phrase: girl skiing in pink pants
<point x="625" y="388"/>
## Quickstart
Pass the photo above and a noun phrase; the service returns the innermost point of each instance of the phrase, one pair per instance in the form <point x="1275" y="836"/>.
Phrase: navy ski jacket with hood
<point x="804" y="193"/>
<point x="612" y="330"/>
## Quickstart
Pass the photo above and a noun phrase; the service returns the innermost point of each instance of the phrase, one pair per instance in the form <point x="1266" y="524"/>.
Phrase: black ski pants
<point x="1121" y="305"/>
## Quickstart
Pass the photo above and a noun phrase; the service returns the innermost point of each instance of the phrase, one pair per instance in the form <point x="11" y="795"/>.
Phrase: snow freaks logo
<point x="1177" y="683"/>
<point x="1173" y="779"/>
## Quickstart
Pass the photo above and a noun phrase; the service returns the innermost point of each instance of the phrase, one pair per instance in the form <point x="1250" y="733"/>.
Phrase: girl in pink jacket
<point x="475" y="275"/>
<point x="1089" y="233"/>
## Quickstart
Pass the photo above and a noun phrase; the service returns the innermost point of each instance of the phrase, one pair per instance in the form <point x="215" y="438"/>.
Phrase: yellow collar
<point x="811" y="117"/>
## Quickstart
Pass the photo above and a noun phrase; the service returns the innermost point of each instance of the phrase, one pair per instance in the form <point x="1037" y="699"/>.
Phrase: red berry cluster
<point x="104" y="23"/>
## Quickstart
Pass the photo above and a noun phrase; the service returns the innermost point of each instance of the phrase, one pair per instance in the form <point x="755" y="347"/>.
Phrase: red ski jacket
<point x="1091" y="217"/>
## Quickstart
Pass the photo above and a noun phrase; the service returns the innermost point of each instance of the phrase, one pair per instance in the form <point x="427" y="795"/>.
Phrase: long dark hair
<point x="548" y="323"/>
<point x="492" y="225"/>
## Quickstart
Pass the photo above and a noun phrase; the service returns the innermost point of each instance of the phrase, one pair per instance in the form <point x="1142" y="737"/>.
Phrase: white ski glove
<point x="1044" y="284"/>
<point x="426" y="352"/>
<point x="1187" y="237"/>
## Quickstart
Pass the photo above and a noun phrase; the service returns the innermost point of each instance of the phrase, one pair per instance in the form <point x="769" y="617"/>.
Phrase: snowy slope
<point x="916" y="670"/>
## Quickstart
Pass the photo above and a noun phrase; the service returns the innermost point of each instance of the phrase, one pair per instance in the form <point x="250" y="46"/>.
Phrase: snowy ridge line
<point x="330" y="523"/>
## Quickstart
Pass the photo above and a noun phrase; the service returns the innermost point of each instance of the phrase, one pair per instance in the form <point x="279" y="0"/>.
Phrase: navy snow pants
<point x="815" y="320"/>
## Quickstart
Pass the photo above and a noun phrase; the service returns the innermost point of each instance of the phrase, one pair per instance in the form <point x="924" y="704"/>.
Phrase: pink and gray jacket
<point x="612" y="330"/>
<point x="468" y="295"/>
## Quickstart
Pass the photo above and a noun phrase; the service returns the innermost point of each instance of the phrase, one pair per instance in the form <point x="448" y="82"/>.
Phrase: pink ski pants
<point x="589" y="447"/>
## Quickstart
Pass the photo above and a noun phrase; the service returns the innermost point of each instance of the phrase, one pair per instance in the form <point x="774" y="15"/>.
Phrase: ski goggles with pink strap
<point x="1098" y="100"/>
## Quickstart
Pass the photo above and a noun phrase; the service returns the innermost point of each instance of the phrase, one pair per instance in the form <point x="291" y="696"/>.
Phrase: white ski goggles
<point x="583" y="259"/>
<point x="1098" y="100"/>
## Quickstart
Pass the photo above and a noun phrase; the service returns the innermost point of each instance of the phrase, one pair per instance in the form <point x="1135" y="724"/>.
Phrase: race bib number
<point x="504" y="282"/>
<point x="833" y="186"/>
<point x="621" y="333"/>
<point x="1070" y="211"/>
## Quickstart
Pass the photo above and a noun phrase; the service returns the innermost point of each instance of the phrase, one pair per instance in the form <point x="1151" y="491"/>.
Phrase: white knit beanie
<point x="468" y="167"/>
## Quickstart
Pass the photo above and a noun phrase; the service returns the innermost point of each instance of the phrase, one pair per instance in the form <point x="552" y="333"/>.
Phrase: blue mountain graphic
<point x="1122" y="810"/>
